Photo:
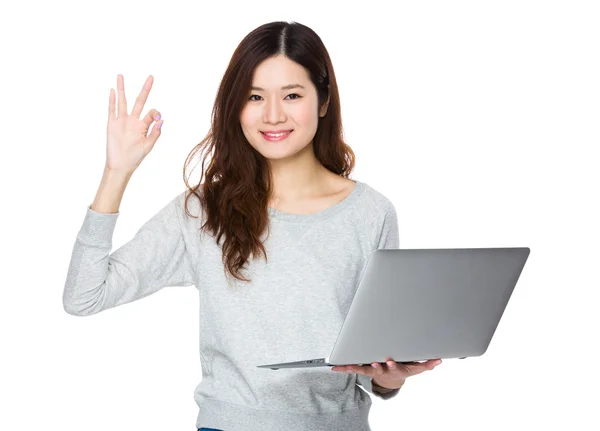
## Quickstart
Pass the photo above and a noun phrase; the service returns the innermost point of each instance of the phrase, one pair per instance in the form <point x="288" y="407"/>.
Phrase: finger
<point x="377" y="369"/>
<point x="420" y="368"/>
<point x="351" y="368"/>
<point x="433" y="363"/>
<point x="154" y="135"/>
<point x="413" y="367"/>
<point x="140" y="101"/>
<point x="365" y="370"/>
<point x="429" y="364"/>
<point x="152" y="115"/>
<point x="393" y="365"/>
<point x="111" y="105"/>
<point x="122" y="100"/>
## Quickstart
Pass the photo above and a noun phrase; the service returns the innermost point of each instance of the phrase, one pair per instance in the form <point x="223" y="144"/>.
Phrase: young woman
<point x="277" y="187"/>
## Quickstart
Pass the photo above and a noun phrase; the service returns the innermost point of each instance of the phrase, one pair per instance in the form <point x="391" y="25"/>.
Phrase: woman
<point x="276" y="187"/>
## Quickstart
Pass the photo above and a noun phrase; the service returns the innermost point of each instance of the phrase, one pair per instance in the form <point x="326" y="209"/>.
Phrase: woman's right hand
<point x="127" y="138"/>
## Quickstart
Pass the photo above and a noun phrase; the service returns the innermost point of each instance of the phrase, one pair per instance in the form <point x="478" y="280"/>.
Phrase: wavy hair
<point x="238" y="183"/>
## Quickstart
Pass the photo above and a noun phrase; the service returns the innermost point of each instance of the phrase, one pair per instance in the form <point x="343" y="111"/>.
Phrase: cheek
<point x="304" y="117"/>
<point x="246" y="118"/>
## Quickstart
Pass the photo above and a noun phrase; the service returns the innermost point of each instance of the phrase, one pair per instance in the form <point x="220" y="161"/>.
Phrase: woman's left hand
<point x="390" y="374"/>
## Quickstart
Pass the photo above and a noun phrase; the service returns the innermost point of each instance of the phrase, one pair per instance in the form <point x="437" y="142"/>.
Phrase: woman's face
<point x="270" y="107"/>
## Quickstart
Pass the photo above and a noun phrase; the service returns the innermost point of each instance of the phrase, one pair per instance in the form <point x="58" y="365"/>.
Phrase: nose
<point x="274" y="112"/>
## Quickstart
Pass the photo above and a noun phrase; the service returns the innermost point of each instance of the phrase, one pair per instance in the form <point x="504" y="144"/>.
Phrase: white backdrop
<point x="479" y="120"/>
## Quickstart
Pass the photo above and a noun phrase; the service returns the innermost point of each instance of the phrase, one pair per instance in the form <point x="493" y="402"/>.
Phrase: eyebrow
<point x="287" y="87"/>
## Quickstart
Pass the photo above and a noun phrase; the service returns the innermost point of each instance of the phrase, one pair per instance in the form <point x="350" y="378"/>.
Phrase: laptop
<point x="419" y="304"/>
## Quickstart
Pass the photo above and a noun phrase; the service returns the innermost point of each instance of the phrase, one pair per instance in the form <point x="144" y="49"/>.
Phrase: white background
<point x="479" y="120"/>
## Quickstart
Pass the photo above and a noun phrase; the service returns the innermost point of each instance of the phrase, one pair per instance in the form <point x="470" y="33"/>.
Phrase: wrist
<point x="117" y="174"/>
<point x="383" y="389"/>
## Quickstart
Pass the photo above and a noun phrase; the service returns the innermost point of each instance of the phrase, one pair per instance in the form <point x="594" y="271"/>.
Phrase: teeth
<point x="275" y="135"/>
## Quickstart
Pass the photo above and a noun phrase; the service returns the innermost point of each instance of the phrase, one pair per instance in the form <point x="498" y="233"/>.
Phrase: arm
<point x="156" y="256"/>
<point x="110" y="192"/>
<point x="372" y="388"/>
<point x="381" y="390"/>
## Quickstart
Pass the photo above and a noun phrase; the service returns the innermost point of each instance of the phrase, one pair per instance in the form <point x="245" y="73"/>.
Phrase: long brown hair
<point x="238" y="182"/>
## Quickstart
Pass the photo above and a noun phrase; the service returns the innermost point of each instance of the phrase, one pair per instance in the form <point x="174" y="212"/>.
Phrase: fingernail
<point x="158" y="117"/>
<point x="374" y="365"/>
<point x="160" y="125"/>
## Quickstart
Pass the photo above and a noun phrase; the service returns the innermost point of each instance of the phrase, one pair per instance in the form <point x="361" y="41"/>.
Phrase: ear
<point x="323" y="110"/>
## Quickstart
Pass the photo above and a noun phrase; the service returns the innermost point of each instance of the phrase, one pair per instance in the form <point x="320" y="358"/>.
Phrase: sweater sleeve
<point x="154" y="258"/>
<point x="388" y="238"/>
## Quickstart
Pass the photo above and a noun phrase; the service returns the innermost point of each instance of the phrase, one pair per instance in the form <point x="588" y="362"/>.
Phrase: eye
<point x="256" y="95"/>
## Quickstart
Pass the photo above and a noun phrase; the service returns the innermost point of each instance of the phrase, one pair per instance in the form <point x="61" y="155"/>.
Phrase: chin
<point x="277" y="150"/>
<point x="275" y="155"/>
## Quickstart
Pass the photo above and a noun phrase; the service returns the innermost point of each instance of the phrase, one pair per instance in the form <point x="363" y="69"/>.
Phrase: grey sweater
<point x="292" y="310"/>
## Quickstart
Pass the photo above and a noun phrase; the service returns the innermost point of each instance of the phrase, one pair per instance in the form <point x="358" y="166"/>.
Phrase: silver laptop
<point x="419" y="304"/>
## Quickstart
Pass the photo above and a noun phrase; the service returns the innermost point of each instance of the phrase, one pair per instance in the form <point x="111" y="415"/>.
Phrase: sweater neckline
<point x="323" y="214"/>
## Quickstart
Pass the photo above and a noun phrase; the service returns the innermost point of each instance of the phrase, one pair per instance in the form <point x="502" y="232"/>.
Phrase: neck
<point x="297" y="177"/>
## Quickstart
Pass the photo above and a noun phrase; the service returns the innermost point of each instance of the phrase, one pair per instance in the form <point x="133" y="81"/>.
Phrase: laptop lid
<point x="419" y="304"/>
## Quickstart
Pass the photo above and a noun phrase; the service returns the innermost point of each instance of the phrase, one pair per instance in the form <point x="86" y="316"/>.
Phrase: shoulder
<point x="187" y="202"/>
<point x="374" y="202"/>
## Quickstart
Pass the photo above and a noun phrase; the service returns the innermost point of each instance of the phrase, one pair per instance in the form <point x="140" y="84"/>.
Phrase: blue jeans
<point x="208" y="429"/>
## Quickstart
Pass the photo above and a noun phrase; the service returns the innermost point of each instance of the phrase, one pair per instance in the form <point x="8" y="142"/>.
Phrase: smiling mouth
<point x="278" y="133"/>
<point x="276" y="137"/>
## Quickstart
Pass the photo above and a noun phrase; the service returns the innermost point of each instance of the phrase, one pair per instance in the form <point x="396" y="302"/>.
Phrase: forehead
<point x="276" y="72"/>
